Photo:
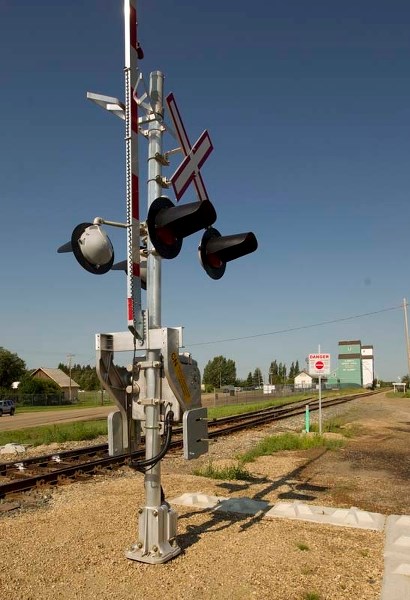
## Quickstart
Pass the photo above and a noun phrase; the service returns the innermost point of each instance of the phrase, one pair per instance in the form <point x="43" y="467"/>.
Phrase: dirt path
<point x="373" y="470"/>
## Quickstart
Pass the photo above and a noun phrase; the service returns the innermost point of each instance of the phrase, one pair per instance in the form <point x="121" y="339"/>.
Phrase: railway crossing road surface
<point x="22" y="420"/>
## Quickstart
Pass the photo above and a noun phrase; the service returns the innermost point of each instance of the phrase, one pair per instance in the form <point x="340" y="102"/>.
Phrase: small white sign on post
<point x="319" y="364"/>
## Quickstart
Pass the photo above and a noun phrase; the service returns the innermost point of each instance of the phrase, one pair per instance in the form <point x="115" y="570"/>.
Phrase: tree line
<point x="86" y="376"/>
<point x="221" y="371"/>
<point x="13" y="368"/>
<point x="218" y="372"/>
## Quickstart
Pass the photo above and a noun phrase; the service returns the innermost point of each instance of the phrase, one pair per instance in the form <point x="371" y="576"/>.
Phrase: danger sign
<point x="319" y="364"/>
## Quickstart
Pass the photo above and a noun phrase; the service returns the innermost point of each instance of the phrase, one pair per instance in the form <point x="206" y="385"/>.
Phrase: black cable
<point x="291" y="329"/>
<point x="144" y="465"/>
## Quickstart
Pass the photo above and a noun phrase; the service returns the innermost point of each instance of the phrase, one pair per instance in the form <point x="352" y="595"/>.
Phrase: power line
<point x="290" y="329"/>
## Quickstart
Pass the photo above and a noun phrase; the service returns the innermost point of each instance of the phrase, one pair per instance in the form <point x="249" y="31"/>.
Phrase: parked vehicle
<point x="7" y="407"/>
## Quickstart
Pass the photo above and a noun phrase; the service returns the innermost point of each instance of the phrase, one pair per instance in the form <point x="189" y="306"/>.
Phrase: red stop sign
<point x="319" y="365"/>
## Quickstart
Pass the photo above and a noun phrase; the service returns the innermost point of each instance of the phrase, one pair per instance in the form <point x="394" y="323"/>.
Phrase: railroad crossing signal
<point x="168" y="225"/>
<point x="91" y="247"/>
<point x="216" y="250"/>
<point x="163" y="377"/>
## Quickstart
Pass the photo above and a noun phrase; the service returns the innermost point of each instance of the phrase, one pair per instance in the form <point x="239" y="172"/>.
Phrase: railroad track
<point x="24" y="475"/>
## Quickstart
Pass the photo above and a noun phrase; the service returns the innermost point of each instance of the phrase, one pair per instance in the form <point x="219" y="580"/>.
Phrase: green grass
<point x="303" y="546"/>
<point x="269" y="445"/>
<point x="398" y="394"/>
<point x="92" y="429"/>
<point x="229" y="410"/>
<point x="311" y="596"/>
<point x="336" y="425"/>
<point x="217" y="412"/>
<point x="35" y="436"/>
<point x="288" y="441"/>
<point x="228" y="473"/>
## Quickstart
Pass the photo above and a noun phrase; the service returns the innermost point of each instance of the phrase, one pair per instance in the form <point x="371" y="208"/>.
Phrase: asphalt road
<point x="54" y="417"/>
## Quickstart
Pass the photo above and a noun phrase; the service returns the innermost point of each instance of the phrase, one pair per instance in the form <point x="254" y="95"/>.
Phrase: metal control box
<point x="186" y="377"/>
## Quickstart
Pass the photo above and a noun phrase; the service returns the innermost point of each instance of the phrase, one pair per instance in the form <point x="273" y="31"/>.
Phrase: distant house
<point x="303" y="381"/>
<point x="68" y="386"/>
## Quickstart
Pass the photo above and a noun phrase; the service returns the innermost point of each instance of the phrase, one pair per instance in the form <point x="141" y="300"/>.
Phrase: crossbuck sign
<point x="195" y="156"/>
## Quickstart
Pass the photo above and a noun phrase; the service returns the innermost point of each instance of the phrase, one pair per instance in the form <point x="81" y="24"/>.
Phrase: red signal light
<point x="216" y="250"/>
<point x="168" y="224"/>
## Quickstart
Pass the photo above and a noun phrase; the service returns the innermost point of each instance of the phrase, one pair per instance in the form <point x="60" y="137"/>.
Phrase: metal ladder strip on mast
<point x="132" y="52"/>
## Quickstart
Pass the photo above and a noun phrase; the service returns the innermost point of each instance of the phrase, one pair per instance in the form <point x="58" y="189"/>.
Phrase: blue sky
<point x="307" y="105"/>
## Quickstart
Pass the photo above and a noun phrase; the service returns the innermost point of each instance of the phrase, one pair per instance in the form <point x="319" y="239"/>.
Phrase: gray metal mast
<point x="157" y="521"/>
<point x="152" y="422"/>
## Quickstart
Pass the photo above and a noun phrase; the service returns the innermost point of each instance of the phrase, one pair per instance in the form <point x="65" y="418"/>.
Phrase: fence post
<point x="307" y="419"/>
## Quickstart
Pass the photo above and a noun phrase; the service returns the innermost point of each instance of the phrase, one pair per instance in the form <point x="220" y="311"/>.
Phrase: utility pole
<point x="69" y="357"/>
<point x="406" y="327"/>
<point x="320" y="399"/>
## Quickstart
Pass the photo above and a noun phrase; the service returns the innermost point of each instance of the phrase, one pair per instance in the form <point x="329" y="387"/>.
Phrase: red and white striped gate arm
<point x="134" y="308"/>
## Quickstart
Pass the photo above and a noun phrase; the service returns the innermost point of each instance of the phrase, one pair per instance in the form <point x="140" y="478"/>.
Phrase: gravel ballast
<point x="71" y="545"/>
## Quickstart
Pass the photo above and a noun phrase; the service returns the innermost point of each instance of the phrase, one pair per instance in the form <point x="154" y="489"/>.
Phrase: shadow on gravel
<point x="218" y="521"/>
<point x="395" y="463"/>
<point x="298" y="490"/>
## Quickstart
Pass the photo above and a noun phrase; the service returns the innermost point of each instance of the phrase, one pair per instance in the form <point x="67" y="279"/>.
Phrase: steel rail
<point x="223" y="426"/>
<point x="89" y="450"/>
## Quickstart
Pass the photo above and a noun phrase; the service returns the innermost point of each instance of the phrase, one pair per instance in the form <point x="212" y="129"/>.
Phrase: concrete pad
<point x="198" y="500"/>
<point x="347" y="517"/>
<point x="244" y="506"/>
<point x="352" y="517"/>
<point x="396" y="579"/>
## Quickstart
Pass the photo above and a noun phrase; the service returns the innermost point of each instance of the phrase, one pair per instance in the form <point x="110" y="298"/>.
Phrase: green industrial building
<point x="355" y="366"/>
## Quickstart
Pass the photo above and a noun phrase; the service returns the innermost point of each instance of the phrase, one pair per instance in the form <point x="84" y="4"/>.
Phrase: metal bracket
<point x="149" y="401"/>
<point x="162" y="159"/>
<point x="147" y="106"/>
<point x="163" y="181"/>
<point x="112" y="105"/>
<point x="149" y="364"/>
<point x="124" y="341"/>
<point x="173" y="151"/>
<point x="123" y="432"/>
